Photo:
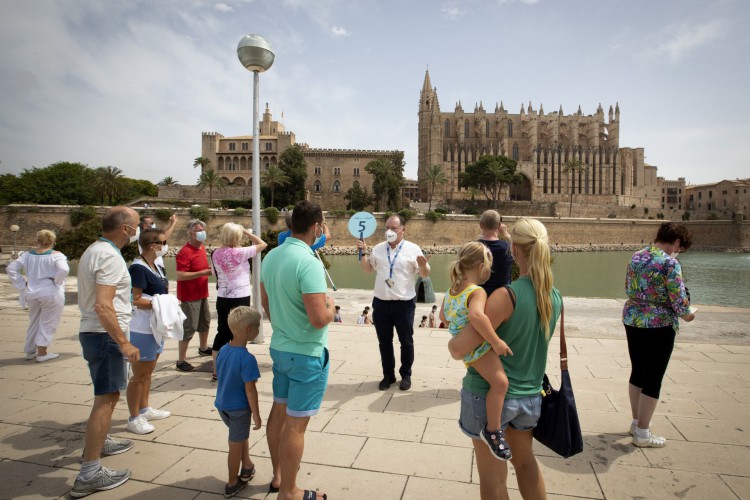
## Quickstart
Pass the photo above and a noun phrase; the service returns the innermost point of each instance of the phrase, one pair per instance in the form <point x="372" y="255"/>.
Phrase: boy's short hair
<point x="424" y="317"/>
<point x="243" y="316"/>
<point x="338" y="308"/>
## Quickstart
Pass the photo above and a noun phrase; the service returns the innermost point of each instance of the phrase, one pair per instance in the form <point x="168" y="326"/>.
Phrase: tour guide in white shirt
<point x="396" y="262"/>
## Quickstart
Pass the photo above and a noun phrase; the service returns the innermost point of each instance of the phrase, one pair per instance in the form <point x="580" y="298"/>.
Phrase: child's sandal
<point x="247" y="474"/>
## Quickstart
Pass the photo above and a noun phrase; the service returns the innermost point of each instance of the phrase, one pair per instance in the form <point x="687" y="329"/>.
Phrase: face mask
<point x="134" y="238"/>
<point x="163" y="251"/>
<point x="200" y="236"/>
<point x="318" y="238"/>
<point x="390" y="236"/>
<point x="153" y="226"/>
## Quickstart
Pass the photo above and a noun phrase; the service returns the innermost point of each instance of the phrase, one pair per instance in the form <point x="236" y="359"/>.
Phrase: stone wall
<point x="453" y="230"/>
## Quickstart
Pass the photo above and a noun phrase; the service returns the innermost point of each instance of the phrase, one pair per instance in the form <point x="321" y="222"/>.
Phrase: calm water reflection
<point x="713" y="278"/>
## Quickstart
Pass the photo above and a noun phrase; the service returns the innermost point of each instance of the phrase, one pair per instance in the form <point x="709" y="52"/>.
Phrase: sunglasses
<point x="159" y="242"/>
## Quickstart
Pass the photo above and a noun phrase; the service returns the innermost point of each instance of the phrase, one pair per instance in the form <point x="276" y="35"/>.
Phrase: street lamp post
<point x="256" y="55"/>
<point x="14" y="229"/>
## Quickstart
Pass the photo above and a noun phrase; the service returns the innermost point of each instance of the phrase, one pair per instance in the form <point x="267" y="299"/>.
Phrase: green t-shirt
<point x="524" y="335"/>
<point x="289" y="271"/>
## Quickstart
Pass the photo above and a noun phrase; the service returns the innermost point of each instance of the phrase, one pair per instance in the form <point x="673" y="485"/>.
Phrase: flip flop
<point x="273" y="489"/>
<point x="312" y="495"/>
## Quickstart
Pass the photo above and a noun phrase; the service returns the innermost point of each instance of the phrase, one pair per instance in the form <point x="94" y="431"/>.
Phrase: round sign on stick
<point x="362" y="225"/>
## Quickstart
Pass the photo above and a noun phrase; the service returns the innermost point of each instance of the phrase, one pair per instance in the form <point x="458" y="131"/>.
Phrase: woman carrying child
<point x="464" y="304"/>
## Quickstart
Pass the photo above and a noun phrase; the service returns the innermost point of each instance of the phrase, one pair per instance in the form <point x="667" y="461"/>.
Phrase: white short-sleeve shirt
<point x="102" y="264"/>
<point x="405" y="270"/>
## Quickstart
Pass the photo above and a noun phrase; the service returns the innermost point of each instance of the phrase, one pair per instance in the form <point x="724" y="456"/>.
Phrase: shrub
<point x="236" y="203"/>
<point x="163" y="214"/>
<point x="632" y="206"/>
<point x="612" y="215"/>
<point x="471" y="211"/>
<point x="434" y="215"/>
<point x="80" y="215"/>
<point x="199" y="212"/>
<point x="645" y="210"/>
<point x="351" y="212"/>
<point x="712" y="216"/>
<point x="686" y="215"/>
<point x="442" y="210"/>
<point x="272" y="214"/>
<point x="387" y="214"/>
<point x="240" y="211"/>
<point x="337" y="213"/>
<point x="660" y="216"/>
<point x="290" y="207"/>
<point x="407" y="214"/>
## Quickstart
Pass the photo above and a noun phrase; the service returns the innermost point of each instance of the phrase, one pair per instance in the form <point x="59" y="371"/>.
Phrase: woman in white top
<point x="232" y="269"/>
<point x="44" y="292"/>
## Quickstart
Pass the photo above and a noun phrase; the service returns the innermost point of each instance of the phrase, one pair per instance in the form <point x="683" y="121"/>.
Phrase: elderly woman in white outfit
<point x="43" y="290"/>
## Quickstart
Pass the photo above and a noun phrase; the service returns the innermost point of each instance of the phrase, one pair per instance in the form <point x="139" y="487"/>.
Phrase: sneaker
<point x="140" y="425"/>
<point x="184" y="366"/>
<point x="649" y="442"/>
<point x="205" y="352"/>
<point x="105" y="479"/>
<point x="114" y="446"/>
<point x="495" y="441"/>
<point x="154" y="414"/>
<point x="47" y="357"/>
<point x="230" y="491"/>
<point x="405" y="384"/>
<point x="30" y="356"/>
<point x="386" y="383"/>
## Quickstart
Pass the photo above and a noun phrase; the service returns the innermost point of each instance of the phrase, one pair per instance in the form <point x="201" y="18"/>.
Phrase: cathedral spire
<point x="561" y="111"/>
<point x="427" y="86"/>
<point x="617" y="111"/>
<point x="579" y="110"/>
<point x="541" y="108"/>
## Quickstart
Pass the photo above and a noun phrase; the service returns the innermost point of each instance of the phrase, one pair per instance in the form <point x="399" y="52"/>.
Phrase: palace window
<point x="515" y="152"/>
<point x="317" y="186"/>
<point x="487" y="129"/>
<point x="447" y="128"/>
<point x="355" y="184"/>
<point x="317" y="170"/>
<point x="232" y="166"/>
<point x="510" y="128"/>
<point x="269" y="146"/>
<point x="244" y="146"/>
<point x="232" y="146"/>
<point x="356" y="171"/>
<point x="336" y="187"/>
<point x="336" y="170"/>
<point x="466" y="128"/>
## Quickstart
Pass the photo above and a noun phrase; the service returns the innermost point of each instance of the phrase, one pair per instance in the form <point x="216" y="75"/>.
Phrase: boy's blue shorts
<point x="299" y="381"/>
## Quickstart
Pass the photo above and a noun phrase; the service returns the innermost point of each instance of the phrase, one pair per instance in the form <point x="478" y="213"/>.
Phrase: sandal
<point x="312" y="495"/>
<point x="650" y="442"/>
<point x="247" y="474"/>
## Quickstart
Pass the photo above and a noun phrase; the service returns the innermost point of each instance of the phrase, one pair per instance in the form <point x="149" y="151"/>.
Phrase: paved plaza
<point x="367" y="443"/>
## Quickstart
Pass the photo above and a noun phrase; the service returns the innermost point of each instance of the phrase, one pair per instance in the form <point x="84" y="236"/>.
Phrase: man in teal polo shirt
<point x="293" y="293"/>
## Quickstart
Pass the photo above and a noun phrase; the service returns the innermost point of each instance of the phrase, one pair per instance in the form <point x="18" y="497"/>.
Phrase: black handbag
<point x="558" y="428"/>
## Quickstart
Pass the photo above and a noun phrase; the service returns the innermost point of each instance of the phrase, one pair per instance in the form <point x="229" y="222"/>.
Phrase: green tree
<point x="358" y="198"/>
<point x="387" y="180"/>
<point x="489" y="174"/>
<point x="168" y="181"/>
<point x="434" y="176"/>
<point x="570" y="168"/>
<point x="272" y="178"/>
<point x="292" y="163"/>
<point x="61" y="183"/>
<point x="211" y="180"/>
<point x="10" y="189"/>
<point x="202" y="162"/>
<point x="109" y="183"/>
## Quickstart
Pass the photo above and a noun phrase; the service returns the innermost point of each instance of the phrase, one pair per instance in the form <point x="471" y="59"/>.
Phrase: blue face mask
<point x="318" y="238"/>
<point x="200" y="236"/>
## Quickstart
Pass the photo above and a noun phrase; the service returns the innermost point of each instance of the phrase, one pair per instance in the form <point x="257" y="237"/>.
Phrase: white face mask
<point x="153" y="225"/>
<point x="137" y="234"/>
<point x="390" y="236"/>
<point x="163" y="251"/>
<point x="200" y="236"/>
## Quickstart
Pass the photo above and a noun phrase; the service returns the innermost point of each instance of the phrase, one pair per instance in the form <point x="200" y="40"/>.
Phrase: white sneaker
<point x="47" y="357"/>
<point x="649" y="442"/>
<point x="30" y="356"/>
<point x="140" y="425"/>
<point x="154" y="414"/>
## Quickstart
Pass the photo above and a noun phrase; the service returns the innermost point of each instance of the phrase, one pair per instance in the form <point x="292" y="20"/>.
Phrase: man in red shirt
<point x="192" y="292"/>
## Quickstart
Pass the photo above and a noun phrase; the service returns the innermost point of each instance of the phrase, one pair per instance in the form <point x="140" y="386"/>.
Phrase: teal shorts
<point x="299" y="381"/>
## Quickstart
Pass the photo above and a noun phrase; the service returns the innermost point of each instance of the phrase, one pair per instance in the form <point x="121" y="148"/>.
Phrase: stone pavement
<point x="367" y="443"/>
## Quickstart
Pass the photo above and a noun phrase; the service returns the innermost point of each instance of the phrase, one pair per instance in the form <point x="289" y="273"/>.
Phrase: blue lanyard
<point x="102" y="238"/>
<point x="395" y="256"/>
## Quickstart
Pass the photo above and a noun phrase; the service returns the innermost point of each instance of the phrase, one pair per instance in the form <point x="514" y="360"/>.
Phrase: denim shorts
<point x="299" y="381"/>
<point x="109" y="370"/>
<point x="238" y="422"/>
<point x="520" y="413"/>
<point x="146" y="343"/>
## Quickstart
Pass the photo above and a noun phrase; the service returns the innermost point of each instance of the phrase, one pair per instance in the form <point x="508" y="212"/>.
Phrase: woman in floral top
<point x="657" y="298"/>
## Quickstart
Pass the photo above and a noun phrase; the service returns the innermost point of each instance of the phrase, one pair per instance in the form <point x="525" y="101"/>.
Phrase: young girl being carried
<point x="463" y="304"/>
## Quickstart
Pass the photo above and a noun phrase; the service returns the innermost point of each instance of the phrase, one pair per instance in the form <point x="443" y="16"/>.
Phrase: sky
<point x="133" y="83"/>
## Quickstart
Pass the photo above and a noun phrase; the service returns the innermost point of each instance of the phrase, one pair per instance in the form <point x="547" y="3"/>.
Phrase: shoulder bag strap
<point x="563" y="346"/>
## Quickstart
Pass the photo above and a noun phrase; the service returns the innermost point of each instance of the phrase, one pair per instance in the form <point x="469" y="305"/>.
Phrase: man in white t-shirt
<point x="397" y="263"/>
<point x="104" y="301"/>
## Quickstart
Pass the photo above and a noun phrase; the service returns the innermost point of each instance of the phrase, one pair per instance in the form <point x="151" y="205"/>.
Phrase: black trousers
<point x="224" y="306"/>
<point x="398" y="314"/>
<point x="649" y="350"/>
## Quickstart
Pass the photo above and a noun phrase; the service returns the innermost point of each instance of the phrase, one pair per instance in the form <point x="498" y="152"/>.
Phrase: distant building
<point x="330" y="172"/>
<point x="723" y="199"/>
<point x="541" y="143"/>
<point x="672" y="193"/>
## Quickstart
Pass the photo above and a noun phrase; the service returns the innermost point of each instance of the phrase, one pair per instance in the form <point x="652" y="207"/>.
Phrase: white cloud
<point x="338" y="31"/>
<point x="222" y="7"/>
<point x="527" y="2"/>
<point x="681" y="41"/>
<point x="452" y="12"/>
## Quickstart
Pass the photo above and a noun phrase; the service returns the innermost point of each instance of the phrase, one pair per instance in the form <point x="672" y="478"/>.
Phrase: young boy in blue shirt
<point x="236" y="395"/>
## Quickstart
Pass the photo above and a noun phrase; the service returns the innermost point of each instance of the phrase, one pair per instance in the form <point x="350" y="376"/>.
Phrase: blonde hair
<point x="490" y="219"/>
<point x="470" y="255"/>
<point x="243" y="316"/>
<point x="231" y="234"/>
<point x="530" y="238"/>
<point x="45" y="238"/>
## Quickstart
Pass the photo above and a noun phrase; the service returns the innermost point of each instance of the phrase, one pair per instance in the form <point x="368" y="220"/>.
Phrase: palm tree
<point x="210" y="179"/>
<point x="383" y="176"/>
<point x="273" y="177"/>
<point x="109" y="182"/>
<point x="202" y="162"/>
<point x="434" y="176"/>
<point x="572" y="166"/>
<point x="168" y="181"/>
